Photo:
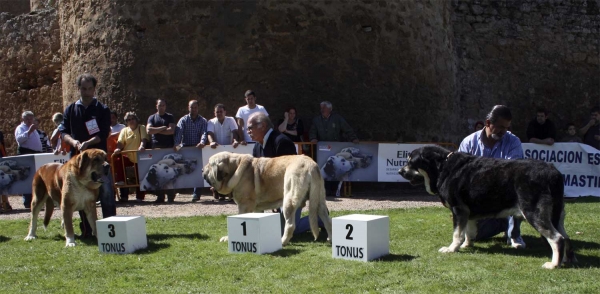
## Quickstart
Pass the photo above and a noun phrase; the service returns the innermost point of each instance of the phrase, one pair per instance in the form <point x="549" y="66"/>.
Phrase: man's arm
<point x="585" y="128"/>
<point x="240" y="123"/>
<point x="179" y="131"/>
<point x="285" y="147"/>
<point x="151" y="129"/>
<point x="170" y="130"/>
<point x="347" y="130"/>
<point x="515" y="150"/>
<point x="21" y="135"/>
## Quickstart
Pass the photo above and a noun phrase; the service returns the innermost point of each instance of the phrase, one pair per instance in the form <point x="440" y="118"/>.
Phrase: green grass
<point x="184" y="255"/>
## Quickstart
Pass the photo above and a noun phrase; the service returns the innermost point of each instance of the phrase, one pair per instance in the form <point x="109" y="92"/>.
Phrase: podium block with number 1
<point x="257" y="233"/>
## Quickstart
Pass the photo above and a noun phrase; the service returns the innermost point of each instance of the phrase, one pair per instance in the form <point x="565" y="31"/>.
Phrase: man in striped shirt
<point x="495" y="141"/>
<point x="191" y="131"/>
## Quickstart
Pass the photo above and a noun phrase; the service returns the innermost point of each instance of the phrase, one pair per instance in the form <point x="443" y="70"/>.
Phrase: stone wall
<point x="30" y="71"/>
<point x="387" y="66"/>
<point x="527" y="54"/>
<point x="15" y="7"/>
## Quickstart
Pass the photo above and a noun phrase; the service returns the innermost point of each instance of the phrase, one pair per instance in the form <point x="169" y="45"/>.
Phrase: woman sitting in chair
<point x="133" y="137"/>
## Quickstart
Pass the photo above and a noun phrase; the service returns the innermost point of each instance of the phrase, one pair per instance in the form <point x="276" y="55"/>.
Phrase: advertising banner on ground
<point x="16" y="172"/>
<point x="346" y="161"/>
<point x="207" y="152"/>
<point x="165" y="169"/>
<point x="579" y="164"/>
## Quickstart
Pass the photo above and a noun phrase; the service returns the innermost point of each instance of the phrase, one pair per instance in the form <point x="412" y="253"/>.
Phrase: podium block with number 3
<point x="257" y="233"/>
<point x="121" y="234"/>
<point x="360" y="237"/>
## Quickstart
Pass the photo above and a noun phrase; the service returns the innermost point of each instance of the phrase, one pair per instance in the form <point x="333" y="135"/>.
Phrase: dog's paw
<point x="466" y="244"/>
<point x="70" y="244"/>
<point x="549" y="265"/>
<point x="224" y="239"/>
<point x="447" y="250"/>
<point x="30" y="238"/>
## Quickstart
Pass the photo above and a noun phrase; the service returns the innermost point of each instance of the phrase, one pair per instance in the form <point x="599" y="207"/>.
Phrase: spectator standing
<point x="86" y="124"/>
<point x="495" y="141"/>
<point x="291" y="125"/>
<point x="541" y="130"/>
<point x="244" y="113"/>
<point x="191" y="131"/>
<point x="46" y="146"/>
<point x="29" y="142"/>
<point x="4" y="198"/>
<point x="591" y="131"/>
<point x="133" y="137"/>
<point x="115" y="125"/>
<point x="161" y="126"/>
<point x="58" y="145"/>
<point x="330" y="127"/>
<point x="571" y="134"/>
<point x="222" y="130"/>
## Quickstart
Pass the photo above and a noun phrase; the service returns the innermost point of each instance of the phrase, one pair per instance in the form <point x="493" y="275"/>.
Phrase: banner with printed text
<point x="579" y="164"/>
<point x="393" y="157"/>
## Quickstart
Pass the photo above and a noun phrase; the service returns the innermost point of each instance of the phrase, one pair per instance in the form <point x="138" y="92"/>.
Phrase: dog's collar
<point x="449" y="154"/>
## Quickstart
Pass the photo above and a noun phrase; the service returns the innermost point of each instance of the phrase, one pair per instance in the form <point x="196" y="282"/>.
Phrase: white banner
<point x="392" y="157"/>
<point x="43" y="158"/>
<point x="579" y="164"/>
<point x="207" y="152"/>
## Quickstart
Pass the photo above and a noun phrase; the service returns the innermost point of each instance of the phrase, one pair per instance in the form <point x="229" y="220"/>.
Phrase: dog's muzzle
<point x="96" y="178"/>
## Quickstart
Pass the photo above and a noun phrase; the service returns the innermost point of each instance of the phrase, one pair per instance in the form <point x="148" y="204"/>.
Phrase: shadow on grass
<point x="285" y="252"/>
<point x="538" y="247"/>
<point x="395" y="257"/>
<point x="4" y="239"/>
<point x="161" y="237"/>
<point x="152" y="248"/>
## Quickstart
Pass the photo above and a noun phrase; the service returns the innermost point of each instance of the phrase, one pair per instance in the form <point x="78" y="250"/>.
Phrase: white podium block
<point x="121" y="234"/>
<point x="360" y="237"/>
<point x="258" y="233"/>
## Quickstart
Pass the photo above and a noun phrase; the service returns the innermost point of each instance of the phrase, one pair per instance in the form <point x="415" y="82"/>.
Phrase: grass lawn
<point x="184" y="255"/>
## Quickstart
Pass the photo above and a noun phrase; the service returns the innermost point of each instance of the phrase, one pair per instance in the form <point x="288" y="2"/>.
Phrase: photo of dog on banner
<point x="339" y="167"/>
<point x="163" y="174"/>
<point x="10" y="172"/>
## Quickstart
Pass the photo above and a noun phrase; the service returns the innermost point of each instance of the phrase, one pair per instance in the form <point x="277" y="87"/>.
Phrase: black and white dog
<point x="474" y="187"/>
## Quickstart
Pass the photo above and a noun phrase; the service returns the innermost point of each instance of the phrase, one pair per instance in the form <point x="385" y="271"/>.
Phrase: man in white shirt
<point x="29" y="142"/>
<point x="244" y="113"/>
<point x="222" y="130"/>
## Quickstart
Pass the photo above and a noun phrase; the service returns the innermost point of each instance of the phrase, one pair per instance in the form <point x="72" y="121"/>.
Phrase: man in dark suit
<point x="272" y="143"/>
<point x="269" y="141"/>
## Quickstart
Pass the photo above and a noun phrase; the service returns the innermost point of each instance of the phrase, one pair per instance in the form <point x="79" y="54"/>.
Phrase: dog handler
<point x="495" y="141"/>
<point x="86" y="124"/>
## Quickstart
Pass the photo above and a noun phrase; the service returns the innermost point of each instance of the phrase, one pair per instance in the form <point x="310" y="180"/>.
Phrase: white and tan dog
<point x="260" y="184"/>
<point x="75" y="185"/>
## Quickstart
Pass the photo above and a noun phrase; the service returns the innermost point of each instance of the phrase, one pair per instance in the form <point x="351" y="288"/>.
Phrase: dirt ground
<point x="183" y="205"/>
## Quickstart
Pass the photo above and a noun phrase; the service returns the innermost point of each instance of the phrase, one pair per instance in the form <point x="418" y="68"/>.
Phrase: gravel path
<point x="183" y="205"/>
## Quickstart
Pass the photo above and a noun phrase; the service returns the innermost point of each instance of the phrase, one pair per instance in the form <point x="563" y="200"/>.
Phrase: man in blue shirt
<point x="191" y="131"/>
<point x="495" y="141"/>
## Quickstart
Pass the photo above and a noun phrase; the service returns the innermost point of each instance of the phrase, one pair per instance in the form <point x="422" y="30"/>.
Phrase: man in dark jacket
<point x="86" y="125"/>
<point x="269" y="142"/>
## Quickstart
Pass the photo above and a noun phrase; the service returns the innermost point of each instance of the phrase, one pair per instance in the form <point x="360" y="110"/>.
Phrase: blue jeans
<point x="490" y="227"/>
<point x="302" y="223"/>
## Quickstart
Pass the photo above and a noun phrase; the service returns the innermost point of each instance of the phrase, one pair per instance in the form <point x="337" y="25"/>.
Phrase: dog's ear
<point x="240" y="164"/>
<point x="219" y="175"/>
<point x="83" y="161"/>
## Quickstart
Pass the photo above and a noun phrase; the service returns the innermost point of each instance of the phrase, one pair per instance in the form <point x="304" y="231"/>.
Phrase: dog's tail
<point x="317" y="204"/>
<point x="48" y="212"/>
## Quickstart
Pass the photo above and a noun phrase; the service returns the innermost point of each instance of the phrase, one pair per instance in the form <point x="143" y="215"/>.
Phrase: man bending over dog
<point x="272" y="143"/>
<point x="495" y="141"/>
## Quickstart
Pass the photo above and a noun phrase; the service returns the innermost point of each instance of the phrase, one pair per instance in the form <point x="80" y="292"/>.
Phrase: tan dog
<point x="260" y="184"/>
<point x="74" y="185"/>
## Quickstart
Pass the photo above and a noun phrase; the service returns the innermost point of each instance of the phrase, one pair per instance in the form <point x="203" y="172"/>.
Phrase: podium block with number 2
<point x="360" y="237"/>
<point x="121" y="234"/>
<point x="257" y="233"/>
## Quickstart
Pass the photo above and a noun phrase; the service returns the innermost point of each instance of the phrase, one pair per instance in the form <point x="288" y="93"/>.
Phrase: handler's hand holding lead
<point x="214" y="145"/>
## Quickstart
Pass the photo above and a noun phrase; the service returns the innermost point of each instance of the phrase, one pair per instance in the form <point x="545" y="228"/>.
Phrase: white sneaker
<point x="517" y="243"/>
